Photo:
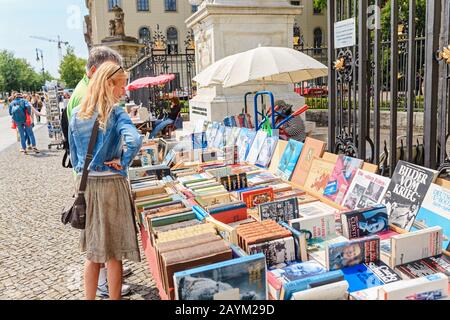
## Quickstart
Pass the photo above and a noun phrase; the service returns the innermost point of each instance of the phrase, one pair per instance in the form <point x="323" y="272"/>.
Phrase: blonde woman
<point x="110" y="234"/>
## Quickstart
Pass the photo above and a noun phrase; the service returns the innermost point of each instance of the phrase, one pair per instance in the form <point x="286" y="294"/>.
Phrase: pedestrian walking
<point x="20" y="111"/>
<point x="37" y="104"/>
<point x="111" y="234"/>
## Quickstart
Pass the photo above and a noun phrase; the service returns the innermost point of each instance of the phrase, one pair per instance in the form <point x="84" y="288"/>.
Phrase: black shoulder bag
<point x="76" y="213"/>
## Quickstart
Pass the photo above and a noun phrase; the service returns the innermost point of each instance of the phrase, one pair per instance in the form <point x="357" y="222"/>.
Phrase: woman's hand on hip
<point x="115" y="164"/>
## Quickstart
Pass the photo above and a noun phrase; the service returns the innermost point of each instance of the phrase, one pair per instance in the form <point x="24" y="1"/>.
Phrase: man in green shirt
<point x="97" y="56"/>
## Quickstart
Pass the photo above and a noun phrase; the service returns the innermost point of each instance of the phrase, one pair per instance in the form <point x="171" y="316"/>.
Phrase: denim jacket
<point x="110" y="143"/>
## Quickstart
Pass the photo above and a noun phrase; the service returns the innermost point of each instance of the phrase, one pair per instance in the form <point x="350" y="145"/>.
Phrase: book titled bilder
<point x="366" y="189"/>
<point x="406" y="191"/>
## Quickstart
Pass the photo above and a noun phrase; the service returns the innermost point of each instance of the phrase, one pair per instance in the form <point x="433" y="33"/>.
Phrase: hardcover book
<point x="267" y="151"/>
<point x="319" y="175"/>
<point x="369" y="275"/>
<point x="343" y="173"/>
<point x="406" y="192"/>
<point x="289" y="159"/>
<point x="435" y="211"/>
<point x="416" y="245"/>
<point x="366" y="190"/>
<point x="349" y="253"/>
<point x="283" y="210"/>
<point x="256" y="146"/>
<point x="332" y="291"/>
<point x="280" y="274"/>
<point x="365" y="222"/>
<point x="312" y="148"/>
<point x="237" y="279"/>
<point x="255" y="197"/>
<point x="276" y="251"/>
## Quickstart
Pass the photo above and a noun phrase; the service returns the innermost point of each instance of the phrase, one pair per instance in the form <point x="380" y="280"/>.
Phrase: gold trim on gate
<point x="445" y="54"/>
<point x="339" y="64"/>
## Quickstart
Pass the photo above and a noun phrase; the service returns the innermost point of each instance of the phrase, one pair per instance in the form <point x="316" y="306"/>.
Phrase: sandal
<point x="36" y="150"/>
<point x="23" y="151"/>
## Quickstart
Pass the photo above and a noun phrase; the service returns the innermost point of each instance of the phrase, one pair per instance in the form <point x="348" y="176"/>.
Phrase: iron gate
<point x="387" y="68"/>
<point x="158" y="57"/>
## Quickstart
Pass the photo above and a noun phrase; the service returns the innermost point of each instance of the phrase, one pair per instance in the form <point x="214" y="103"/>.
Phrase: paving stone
<point x="36" y="250"/>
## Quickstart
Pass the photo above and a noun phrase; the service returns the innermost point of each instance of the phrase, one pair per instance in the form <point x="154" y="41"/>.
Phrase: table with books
<point x="230" y="213"/>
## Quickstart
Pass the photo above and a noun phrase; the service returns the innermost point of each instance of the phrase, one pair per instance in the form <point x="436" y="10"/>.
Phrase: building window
<point x="318" y="40"/>
<point x="170" y="5"/>
<point x="194" y="8"/>
<point x="143" y="5"/>
<point x="113" y="3"/>
<point x="172" y="40"/>
<point x="144" y="35"/>
<point x="295" y="3"/>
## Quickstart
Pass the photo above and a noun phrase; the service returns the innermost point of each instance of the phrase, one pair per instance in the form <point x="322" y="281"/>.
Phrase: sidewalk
<point x="39" y="256"/>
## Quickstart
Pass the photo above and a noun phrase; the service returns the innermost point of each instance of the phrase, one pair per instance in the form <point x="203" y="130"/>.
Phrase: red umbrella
<point x="150" y="81"/>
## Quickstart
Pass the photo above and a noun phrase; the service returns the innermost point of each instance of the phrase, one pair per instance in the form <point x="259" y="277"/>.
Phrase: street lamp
<point x="41" y="58"/>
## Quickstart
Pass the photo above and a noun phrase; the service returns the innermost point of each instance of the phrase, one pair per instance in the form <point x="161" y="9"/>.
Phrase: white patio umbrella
<point x="267" y="64"/>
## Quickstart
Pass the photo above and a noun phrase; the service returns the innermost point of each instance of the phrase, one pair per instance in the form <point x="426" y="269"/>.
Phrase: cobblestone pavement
<point x="39" y="257"/>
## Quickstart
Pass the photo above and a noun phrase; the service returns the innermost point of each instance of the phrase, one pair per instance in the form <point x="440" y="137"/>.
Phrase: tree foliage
<point x="17" y="74"/>
<point x="72" y="69"/>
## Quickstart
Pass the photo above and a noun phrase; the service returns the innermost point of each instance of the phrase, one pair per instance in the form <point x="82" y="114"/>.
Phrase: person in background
<point x="97" y="56"/>
<point x="110" y="234"/>
<point x="37" y="104"/>
<point x="175" y="110"/>
<point x="18" y="110"/>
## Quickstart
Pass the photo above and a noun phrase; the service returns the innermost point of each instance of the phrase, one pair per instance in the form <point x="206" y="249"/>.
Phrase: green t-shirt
<point x="78" y="94"/>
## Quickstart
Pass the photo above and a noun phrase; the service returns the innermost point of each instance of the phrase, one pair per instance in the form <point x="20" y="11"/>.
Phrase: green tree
<point x="72" y="69"/>
<point x="320" y="4"/>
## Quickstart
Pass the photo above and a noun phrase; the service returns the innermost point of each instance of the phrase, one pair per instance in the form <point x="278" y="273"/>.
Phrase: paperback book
<point x="405" y="193"/>
<point x="319" y="175"/>
<point x="237" y="279"/>
<point x="283" y="210"/>
<point x="365" y="222"/>
<point x="343" y="173"/>
<point x="349" y="253"/>
<point x="312" y="148"/>
<point x="435" y="211"/>
<point x="267" y="151"/>
<point x="289" y="159"/>
<point x="256" y="147"/>
<point x="366" y="190"/>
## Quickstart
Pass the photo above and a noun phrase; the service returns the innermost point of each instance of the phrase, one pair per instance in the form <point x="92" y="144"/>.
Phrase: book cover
<point x="365" y="222"/>
<point x="319" y="175"/>
<point x="366" y="190"/>
<point x="405" y="193"/>
<point x="237" y="279"/>
<point x="300" y="242"/>
<point x="432" y="287"/>
<point x="435" y="211"/>
<point x="277" y="154"/>
<point x="312" y="148"/>
<point x="289" y="159"/>
<point x="149" y="156"/>
<point x="320" y="226"/>
<point x="229" y="141"/>
<point x="349" y="253"/>
<point x="245" y="144"/>
<point x="425" y="267"/>
<point x="316" y="247"/>
<point x="276" y="251"/>
<point x="310" y="282"/>
<point x="280" y="274"/>
<point x="283" y="210"/>
<point x="416" y="245"/>
<point x="255" y="197"/>
<point x="332" y="291"/>
<point x="343" y="173"/>
<point x="235" y="134"/>
<point x="262" y="178"/>
<point x="369" y="275"/>
<point x="256" y="147"/>
<point x="267" y="151"/>
<point x="199" y="140"/>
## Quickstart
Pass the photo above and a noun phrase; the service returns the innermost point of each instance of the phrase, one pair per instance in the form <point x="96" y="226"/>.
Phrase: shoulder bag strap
<point x="89" y="157"/>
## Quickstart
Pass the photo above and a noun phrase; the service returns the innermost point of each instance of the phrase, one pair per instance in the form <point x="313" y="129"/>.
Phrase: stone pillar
<point x="225" y="27"/>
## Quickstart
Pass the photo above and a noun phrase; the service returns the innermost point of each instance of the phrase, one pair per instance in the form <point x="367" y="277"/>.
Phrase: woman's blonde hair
<point x="100" y="93"/>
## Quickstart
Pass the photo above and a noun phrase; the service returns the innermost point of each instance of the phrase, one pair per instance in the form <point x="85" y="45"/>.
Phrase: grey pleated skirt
<point x="111" y="231"/>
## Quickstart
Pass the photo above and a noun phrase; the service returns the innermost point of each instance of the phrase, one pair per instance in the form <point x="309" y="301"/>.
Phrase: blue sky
<point x="21" y="19"/>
